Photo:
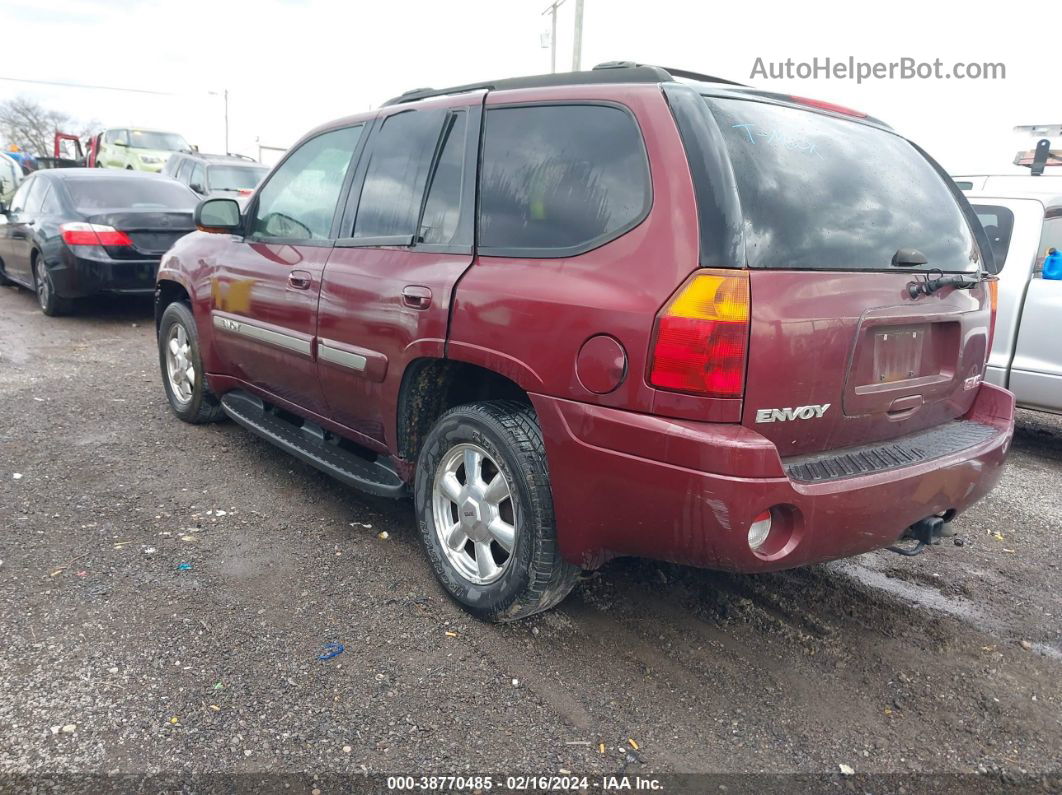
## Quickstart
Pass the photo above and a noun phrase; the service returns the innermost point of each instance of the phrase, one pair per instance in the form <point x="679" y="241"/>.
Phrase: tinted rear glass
<point x="130" y="193"/>
<point x="398" y="170"/>
<point x="823" y="193"/>
<point x="559" y="179"/>
<point x="999" y="224"/>
<point x="442" y="207"/>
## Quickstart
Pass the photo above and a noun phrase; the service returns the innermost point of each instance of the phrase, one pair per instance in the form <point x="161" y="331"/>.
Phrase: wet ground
<point x="166" y="591"/>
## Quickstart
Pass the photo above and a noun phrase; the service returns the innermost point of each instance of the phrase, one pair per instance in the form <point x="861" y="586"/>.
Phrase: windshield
<point x="235" y="177"/>
<point x="92" y="195"/>
<point x="823" y="193"/>
<point x="145" y="139"/>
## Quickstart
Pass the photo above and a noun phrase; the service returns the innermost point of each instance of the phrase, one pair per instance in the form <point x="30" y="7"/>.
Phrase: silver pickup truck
<point x="1026" y="355"/>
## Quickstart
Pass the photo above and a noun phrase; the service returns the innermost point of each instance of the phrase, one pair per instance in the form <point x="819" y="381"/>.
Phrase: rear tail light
<point x="701" y="336"/>
<point x="82" y="234"/>
<point x="993" y="297"/>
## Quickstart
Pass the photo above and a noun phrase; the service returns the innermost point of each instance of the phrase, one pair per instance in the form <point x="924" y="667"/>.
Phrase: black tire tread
<point x="57" y="306"/>
<point x="551" y="577"/>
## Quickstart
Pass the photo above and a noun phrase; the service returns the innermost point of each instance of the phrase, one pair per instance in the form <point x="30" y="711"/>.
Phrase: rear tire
<point x="183" y="376"/>
<point x="50" y="303"/>
<point x="4" y="281"/>
<point x="506" y="501"/>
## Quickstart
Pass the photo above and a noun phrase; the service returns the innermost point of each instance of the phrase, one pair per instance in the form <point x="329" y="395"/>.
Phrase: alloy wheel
<point x="179" y="367"/>
<point x="44" y="289"/>
<point x="474" y="514"/>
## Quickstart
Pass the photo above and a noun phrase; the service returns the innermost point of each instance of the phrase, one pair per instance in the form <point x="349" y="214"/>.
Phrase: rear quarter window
<point x="998" y="223"/>
<point x="558" y="180"/>
<point x="819" y="192"/>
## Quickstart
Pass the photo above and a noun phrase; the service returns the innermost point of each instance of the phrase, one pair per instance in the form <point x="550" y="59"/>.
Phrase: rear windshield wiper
<point x="928" y="286"/>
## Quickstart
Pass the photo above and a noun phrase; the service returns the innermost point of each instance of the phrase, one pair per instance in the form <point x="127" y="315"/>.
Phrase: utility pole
<point x="552" y="11"/>
<point x="577" y="44"/>
<point x="226" y="119"/>
<point x="225" y="95"/>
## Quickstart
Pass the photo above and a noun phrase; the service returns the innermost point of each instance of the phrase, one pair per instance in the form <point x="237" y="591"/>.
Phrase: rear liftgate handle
<point x="416" y="296"/>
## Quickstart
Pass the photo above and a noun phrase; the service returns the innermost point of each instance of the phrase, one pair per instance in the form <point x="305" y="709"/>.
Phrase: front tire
<point x="485" y="512"/>
<point x="50" y="303"/>
<point x="183" y="376"/>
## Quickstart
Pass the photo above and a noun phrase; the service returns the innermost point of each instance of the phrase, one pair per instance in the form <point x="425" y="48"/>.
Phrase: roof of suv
<point x="619" y="72"/>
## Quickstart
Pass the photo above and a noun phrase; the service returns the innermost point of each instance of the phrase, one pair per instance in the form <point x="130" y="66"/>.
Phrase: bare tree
<point x="32" y="126"/>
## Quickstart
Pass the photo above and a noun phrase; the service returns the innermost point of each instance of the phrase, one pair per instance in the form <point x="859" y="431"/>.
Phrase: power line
<point x="88" y="85"/>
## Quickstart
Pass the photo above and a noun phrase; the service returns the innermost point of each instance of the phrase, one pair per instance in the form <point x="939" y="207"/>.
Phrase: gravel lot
<point x="116" y="657"/>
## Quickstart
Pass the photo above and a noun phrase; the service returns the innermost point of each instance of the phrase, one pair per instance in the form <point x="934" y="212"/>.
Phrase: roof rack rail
<point x="609" y="72"/>
<point x="684" y="73"/>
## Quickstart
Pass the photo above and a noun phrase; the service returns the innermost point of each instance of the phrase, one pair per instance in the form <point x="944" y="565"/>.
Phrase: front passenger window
<point x="197" y="180"/>
<point x="299" y="201"/>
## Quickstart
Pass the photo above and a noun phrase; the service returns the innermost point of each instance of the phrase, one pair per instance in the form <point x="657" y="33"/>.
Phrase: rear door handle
<point x="300" y="280"/>
<point x="416" y="296"/>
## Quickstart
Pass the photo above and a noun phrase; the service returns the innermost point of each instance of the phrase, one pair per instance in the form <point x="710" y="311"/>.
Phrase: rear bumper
<point x="78" y="276"/>
<point x="630" y="484"/>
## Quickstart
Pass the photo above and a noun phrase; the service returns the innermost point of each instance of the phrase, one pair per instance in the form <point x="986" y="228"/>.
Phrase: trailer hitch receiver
<point x="924" y="532"/>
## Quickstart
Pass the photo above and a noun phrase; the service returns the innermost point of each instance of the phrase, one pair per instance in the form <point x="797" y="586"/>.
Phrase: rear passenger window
<point x="442" y="210"/>
<point x="35" y="196"/>
<point x="557" y="180"/>
<point x="398" y="171"/>
<point x="299" y="201"/>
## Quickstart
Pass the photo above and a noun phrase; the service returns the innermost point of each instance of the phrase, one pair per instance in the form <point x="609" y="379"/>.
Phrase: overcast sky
<point x="292" y="64"/>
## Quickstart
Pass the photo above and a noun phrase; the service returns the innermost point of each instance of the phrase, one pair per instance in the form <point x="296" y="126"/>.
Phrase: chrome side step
<point x="312" y="444"/>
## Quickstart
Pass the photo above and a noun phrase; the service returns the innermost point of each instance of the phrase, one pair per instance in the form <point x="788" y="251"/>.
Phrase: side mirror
<point x="197" y="188"/>
<point x="221" y="216"/>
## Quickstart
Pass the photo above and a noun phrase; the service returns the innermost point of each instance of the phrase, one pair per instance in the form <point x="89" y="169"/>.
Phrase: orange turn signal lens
<point x="701" y="337"/>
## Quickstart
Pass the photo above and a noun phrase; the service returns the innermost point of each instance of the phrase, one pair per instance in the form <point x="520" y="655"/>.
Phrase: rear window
<point x="823" y="193"/>
<point x="130" y="194"/>
<point x="147" y="139"/>
<point x="235" y="177"/>
<point x="998" y="223"/>
<point x="557" y="180"/>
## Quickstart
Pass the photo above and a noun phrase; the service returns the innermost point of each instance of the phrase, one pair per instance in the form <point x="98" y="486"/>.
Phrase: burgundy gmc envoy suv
<point x="628" y="311"/>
